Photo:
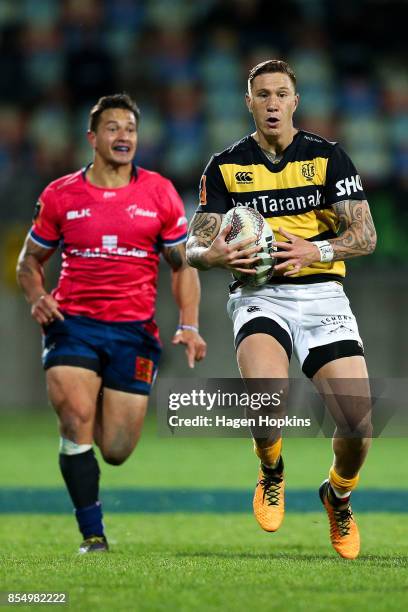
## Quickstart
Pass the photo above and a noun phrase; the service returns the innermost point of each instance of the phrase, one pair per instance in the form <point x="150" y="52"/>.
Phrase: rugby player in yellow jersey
<point x="310" y="193"/>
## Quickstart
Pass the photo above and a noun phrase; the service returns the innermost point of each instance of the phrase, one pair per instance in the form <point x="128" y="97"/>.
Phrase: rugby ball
<point x="247" y="222"/>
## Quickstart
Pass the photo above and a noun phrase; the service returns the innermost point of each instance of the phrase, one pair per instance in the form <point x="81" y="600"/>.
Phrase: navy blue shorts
<point x="124" y="355"/>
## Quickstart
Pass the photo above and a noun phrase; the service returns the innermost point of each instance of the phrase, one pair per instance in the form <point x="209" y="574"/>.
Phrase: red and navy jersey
<point x="110" y="240"/>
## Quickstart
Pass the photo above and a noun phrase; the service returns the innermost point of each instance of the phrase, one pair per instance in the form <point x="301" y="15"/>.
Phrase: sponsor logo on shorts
<point x="144" y="369"/>
<point x="244" y="177"/>
<point x="336" y="319"/>
<point x="340" y="329"/>
<point x="48" y="349"/>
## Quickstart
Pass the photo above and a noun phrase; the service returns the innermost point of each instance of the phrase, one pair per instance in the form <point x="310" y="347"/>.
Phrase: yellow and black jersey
<point x="295" y="193"/>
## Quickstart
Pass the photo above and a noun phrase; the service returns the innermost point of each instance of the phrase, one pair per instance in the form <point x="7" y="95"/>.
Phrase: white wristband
<point x="187" y="327"/>
<point x="325" y="249"/>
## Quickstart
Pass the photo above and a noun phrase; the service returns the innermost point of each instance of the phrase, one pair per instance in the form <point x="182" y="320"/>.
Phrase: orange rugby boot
<point x="344" y="534"/>
<point x="269" y="500"/>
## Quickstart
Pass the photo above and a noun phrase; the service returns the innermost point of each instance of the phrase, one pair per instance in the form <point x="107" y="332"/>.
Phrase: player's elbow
<point x="189" y="252"/>
<point x="367" y="241"/>
<point x="190" y="260"/>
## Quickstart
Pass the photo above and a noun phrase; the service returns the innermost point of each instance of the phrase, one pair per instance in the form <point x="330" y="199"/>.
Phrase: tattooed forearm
<point x="357" y="235"/>
<point x="30" y="271"/>
<point x="176" y="256"/>
<point x="204" y="227"/>
<point x="203" y="230"/>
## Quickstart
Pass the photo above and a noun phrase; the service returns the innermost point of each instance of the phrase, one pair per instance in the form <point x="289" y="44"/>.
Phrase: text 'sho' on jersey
<point x="111" y="241"/>
<point x="296" y="193"/>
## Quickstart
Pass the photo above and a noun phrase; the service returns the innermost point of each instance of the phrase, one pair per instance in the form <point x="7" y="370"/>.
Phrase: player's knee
<point x="72" y="422"/>
<point x="356" y="445"/>
<point x="116" y="454"/>
<point x="360" y="432"/>
<point x="115" y="457"/>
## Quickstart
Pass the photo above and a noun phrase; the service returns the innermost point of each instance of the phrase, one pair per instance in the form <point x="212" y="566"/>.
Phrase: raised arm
<point x="207" y="248"/>
<point x="30" y="277"/>
<point x="186" y="291"/>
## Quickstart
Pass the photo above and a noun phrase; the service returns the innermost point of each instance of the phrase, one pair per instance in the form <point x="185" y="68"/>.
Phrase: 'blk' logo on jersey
<point x="78" y="214"/>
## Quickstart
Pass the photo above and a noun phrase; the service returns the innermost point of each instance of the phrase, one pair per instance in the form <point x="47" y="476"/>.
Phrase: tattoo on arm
<point x="32" y="257"/>
<point x="30" y="271"/>
<point x="204" y="227"/>
<point x="357" y="235"/>
<point x="176" y="256"/>
<point x="203" y="230"/>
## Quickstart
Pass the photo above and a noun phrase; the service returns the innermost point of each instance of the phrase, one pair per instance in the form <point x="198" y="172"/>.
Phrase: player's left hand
<point x="196" y="347"/>
<point x="297" y="252"/>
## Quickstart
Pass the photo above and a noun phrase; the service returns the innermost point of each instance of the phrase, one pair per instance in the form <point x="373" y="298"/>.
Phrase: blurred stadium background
<point x="186" y="64"/>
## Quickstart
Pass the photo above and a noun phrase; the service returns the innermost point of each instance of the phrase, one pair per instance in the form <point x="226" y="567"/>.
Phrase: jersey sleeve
<point x="45" y="230"/>
<point x="214" y="195"/>
<point x="174" y="230"/>
<point x="342" y="179"/>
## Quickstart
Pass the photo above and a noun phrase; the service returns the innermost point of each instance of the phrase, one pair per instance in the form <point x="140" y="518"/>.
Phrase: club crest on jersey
<point x="308" y="171"/>
<point x="78" y="214"/>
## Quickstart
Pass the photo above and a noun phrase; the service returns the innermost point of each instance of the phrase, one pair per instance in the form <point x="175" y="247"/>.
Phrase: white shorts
<point x="313" y="320"/>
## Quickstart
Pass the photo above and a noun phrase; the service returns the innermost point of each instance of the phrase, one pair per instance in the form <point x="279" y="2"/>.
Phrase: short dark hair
<point x="122" y="100"/>
<point x="271" y="66"/>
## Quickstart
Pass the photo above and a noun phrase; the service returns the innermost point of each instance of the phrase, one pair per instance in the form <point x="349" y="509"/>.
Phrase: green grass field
<point x="200" y="562"/>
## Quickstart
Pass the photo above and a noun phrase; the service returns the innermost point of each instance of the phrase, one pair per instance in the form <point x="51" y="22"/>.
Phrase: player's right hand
<point x="238" y="257"/>
<point x="44" y="310"/>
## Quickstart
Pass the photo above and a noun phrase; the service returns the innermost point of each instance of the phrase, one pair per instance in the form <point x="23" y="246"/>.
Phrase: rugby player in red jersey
<point x="101" y="346"/>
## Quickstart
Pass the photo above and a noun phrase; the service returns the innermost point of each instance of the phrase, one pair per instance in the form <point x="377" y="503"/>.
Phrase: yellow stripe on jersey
<point x="240" y="178"/>
<point x="306" y="226"/>
<point x="335" y="267"/>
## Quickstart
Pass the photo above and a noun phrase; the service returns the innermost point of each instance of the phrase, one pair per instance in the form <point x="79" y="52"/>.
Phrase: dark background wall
<point x="186" y="63"/>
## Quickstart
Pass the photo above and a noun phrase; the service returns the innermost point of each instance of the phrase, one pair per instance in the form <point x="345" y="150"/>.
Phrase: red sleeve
<point x="46" y="226"/>
<point x="174" y="229"/>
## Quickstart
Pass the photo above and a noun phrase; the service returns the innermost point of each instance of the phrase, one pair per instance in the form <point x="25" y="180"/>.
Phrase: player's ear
<point x="248" y="100"/>
<point x="296" y="104"/>
<point x="91" y="138"/>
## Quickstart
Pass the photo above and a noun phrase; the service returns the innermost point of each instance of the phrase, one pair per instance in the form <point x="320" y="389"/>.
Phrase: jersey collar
<point x="133" y="174"/>
<point x="275" y="167"/>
